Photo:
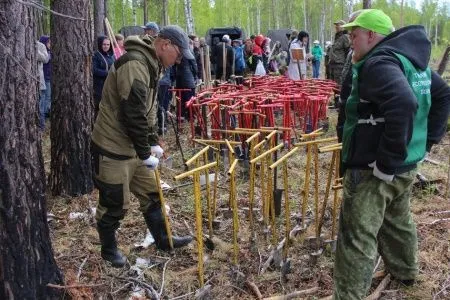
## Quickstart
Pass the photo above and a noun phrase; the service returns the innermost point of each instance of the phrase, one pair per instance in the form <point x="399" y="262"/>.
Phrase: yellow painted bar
<point x="230" y="148"/>
<point x="216" y="141"/>
<point x="283" y="158"/>
<point x="234" y="131"/>
<point x="196" y="156"/>
<point x="337" y="187"/>
<point x="233" y="166"/>
<point x="193" y="171"/>
<point x="277" y="128"/>
<point x="205" y="144"/>
<point x="264" y="154"/>
<point x="254" y="136"/>
<point x="163" y="209"/>
<point x="315" y="142"/>
<point x="270" y="135"/>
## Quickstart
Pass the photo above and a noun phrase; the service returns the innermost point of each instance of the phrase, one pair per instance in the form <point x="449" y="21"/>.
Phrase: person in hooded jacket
<point x="222" y="48"/>
<point x="397" y="109"/>
<point x="257" y="52"/>
<point x="338" y="52"/>
<point x="295" y="67"/>
<point x="101" y="63"/>
<point x="125" y="142"/>
<point x="47" y="68"/>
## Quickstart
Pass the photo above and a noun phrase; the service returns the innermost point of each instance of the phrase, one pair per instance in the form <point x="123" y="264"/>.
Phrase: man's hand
<point x="380" y="175"/>
<point x="151" y="162"/>
<point x="157" y="151"/>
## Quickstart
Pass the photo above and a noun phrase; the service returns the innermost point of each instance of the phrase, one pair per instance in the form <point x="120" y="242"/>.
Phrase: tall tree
<point x="99" y="17"/>
<point x="26" y="256"/>
<point x="368" y="4"/>
<point x="71" y="115"/>
<point x="189" y="17"/>
<point x="165" y="12"/>
<point x="145" y="11"/>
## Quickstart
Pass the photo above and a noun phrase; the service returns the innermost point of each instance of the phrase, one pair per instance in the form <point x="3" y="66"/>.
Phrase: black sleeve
<point x="194" y="68"/>
<point x="383" y="83"/>
<point x="134" y="118"/>
<point x="439" y="111"/>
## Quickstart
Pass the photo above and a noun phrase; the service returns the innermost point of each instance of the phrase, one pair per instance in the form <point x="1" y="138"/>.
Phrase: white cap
<point x="316" y="42"/>
<point x="327" y="43"/>
<point x="226" y="38"/>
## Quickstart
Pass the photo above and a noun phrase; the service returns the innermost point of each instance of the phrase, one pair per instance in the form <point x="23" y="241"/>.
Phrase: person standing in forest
<point x="316" y="53"/>
<point x="125" y="141"/>
<point x="101" y="63"/>
<point x="397" y="110"/>
<point x="338" y="52"/>
<point x="47" y="68"/>
<point x="42" y="58"/>
<point x="297" y="68"/>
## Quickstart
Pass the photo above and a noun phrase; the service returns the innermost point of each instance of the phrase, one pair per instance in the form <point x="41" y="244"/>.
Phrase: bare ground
<point x="77" y="249"/>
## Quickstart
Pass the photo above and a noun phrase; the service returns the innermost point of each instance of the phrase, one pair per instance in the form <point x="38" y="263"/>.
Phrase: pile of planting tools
<point x="302" y="106"/>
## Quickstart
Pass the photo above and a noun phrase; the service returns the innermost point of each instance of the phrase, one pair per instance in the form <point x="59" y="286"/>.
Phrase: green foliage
<point x="282" y="14"/>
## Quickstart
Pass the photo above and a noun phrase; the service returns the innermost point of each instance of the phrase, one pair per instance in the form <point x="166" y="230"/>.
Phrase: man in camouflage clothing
<point x="397" y="109"/>
<point x="125" y="140"/>
<point x="338" y="52"/>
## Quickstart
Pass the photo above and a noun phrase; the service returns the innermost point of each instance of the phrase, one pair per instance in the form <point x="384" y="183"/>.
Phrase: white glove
<point x="151" y="162"/>
<point x="380" y="175"/>
<point x="157" y="151"/>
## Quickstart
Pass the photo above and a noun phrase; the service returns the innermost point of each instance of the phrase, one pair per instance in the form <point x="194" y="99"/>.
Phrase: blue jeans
<point x="316" y="68"/>
<point x="42" y="109"/>
<point x="48" y="97"/>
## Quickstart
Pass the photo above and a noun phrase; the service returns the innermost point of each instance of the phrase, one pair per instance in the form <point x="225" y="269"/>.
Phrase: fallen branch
<point x="436" y="221"/>
<point x="382" y="286"/>
<point x="254" y="288"/>
<point x="295" y="294"/>
<point x="163" y="277"/>
<point x="73" y="286"/>
<point x="81" y="268"/>
<point x="377" y="265"/>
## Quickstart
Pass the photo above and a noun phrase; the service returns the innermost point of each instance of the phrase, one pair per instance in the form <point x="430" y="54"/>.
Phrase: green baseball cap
<point x="373" y="19"/>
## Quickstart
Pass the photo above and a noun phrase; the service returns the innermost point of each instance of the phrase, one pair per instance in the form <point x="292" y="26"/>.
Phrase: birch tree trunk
<point x="402" y="13"/>
<point x="71" y="117"/>
<point x="133" y="3"/>
<point x="27" y="264"/>
<point x="165" y="12"/>
<point x="188" y="16"/>
<point x="322" y="22"/>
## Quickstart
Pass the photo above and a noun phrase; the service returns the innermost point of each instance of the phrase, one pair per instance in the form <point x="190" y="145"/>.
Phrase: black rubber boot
<point x="109" y="247"/>
<point x="155" y="222"/>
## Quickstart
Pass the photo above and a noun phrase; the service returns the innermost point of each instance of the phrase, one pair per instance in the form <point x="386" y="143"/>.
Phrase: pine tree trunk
<point x="71" y="97"/>
<point x="99" y="16"/>
<point x="26" y="256"/>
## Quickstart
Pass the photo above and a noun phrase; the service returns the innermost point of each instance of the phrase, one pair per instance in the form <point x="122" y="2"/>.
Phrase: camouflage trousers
<point x="116" y="180"/>
<point x="375" y="216"/>
<point x="336" y="73"/>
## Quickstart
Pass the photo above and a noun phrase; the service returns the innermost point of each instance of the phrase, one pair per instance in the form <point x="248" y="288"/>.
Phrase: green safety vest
<point x="420" y="83"/>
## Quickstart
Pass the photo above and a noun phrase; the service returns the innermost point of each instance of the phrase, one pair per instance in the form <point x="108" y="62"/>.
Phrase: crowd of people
<point x="393" y="109"/>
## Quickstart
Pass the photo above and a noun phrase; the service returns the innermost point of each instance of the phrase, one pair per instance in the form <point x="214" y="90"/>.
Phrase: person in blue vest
<point x="397" y="109"/>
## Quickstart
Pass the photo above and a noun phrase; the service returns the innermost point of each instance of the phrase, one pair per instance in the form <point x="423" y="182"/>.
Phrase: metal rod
<point x="283" y="158"/>
<point x="306" y="186"/>
<point x="163" y="209"/>
<point x="191" y="172"/>
<point x="196" y="156"/>
<point x="264" y="154"/>
<point x="216" y="141"/>
<point x="254" y="136"/>
<point x="287" y="209"/>
<point x="315" y="141"/>
<point x="208" y="196"/>
<point x="198" y="223"/>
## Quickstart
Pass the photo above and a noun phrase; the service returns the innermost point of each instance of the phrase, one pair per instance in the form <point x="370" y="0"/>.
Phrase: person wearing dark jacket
<point x="164" y="96"/>
<point x="397" y="109"/>
<point x="186" y="78"/>
<point x="47" y="68"/>
<point x="224" y="48"/>
<point x="101" y="63"/>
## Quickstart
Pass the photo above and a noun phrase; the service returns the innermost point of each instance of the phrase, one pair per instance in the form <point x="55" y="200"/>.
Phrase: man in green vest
<point x="397" y="109"/>
<point x="125" y="138"/>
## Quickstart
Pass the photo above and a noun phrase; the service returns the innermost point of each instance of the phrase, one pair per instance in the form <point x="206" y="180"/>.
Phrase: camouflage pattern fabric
<point x="375" y="217"/>
<point x="336" y="73"/>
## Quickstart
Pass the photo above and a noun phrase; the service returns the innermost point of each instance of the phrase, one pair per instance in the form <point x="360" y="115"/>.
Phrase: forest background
<point x="259" y="16"/>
